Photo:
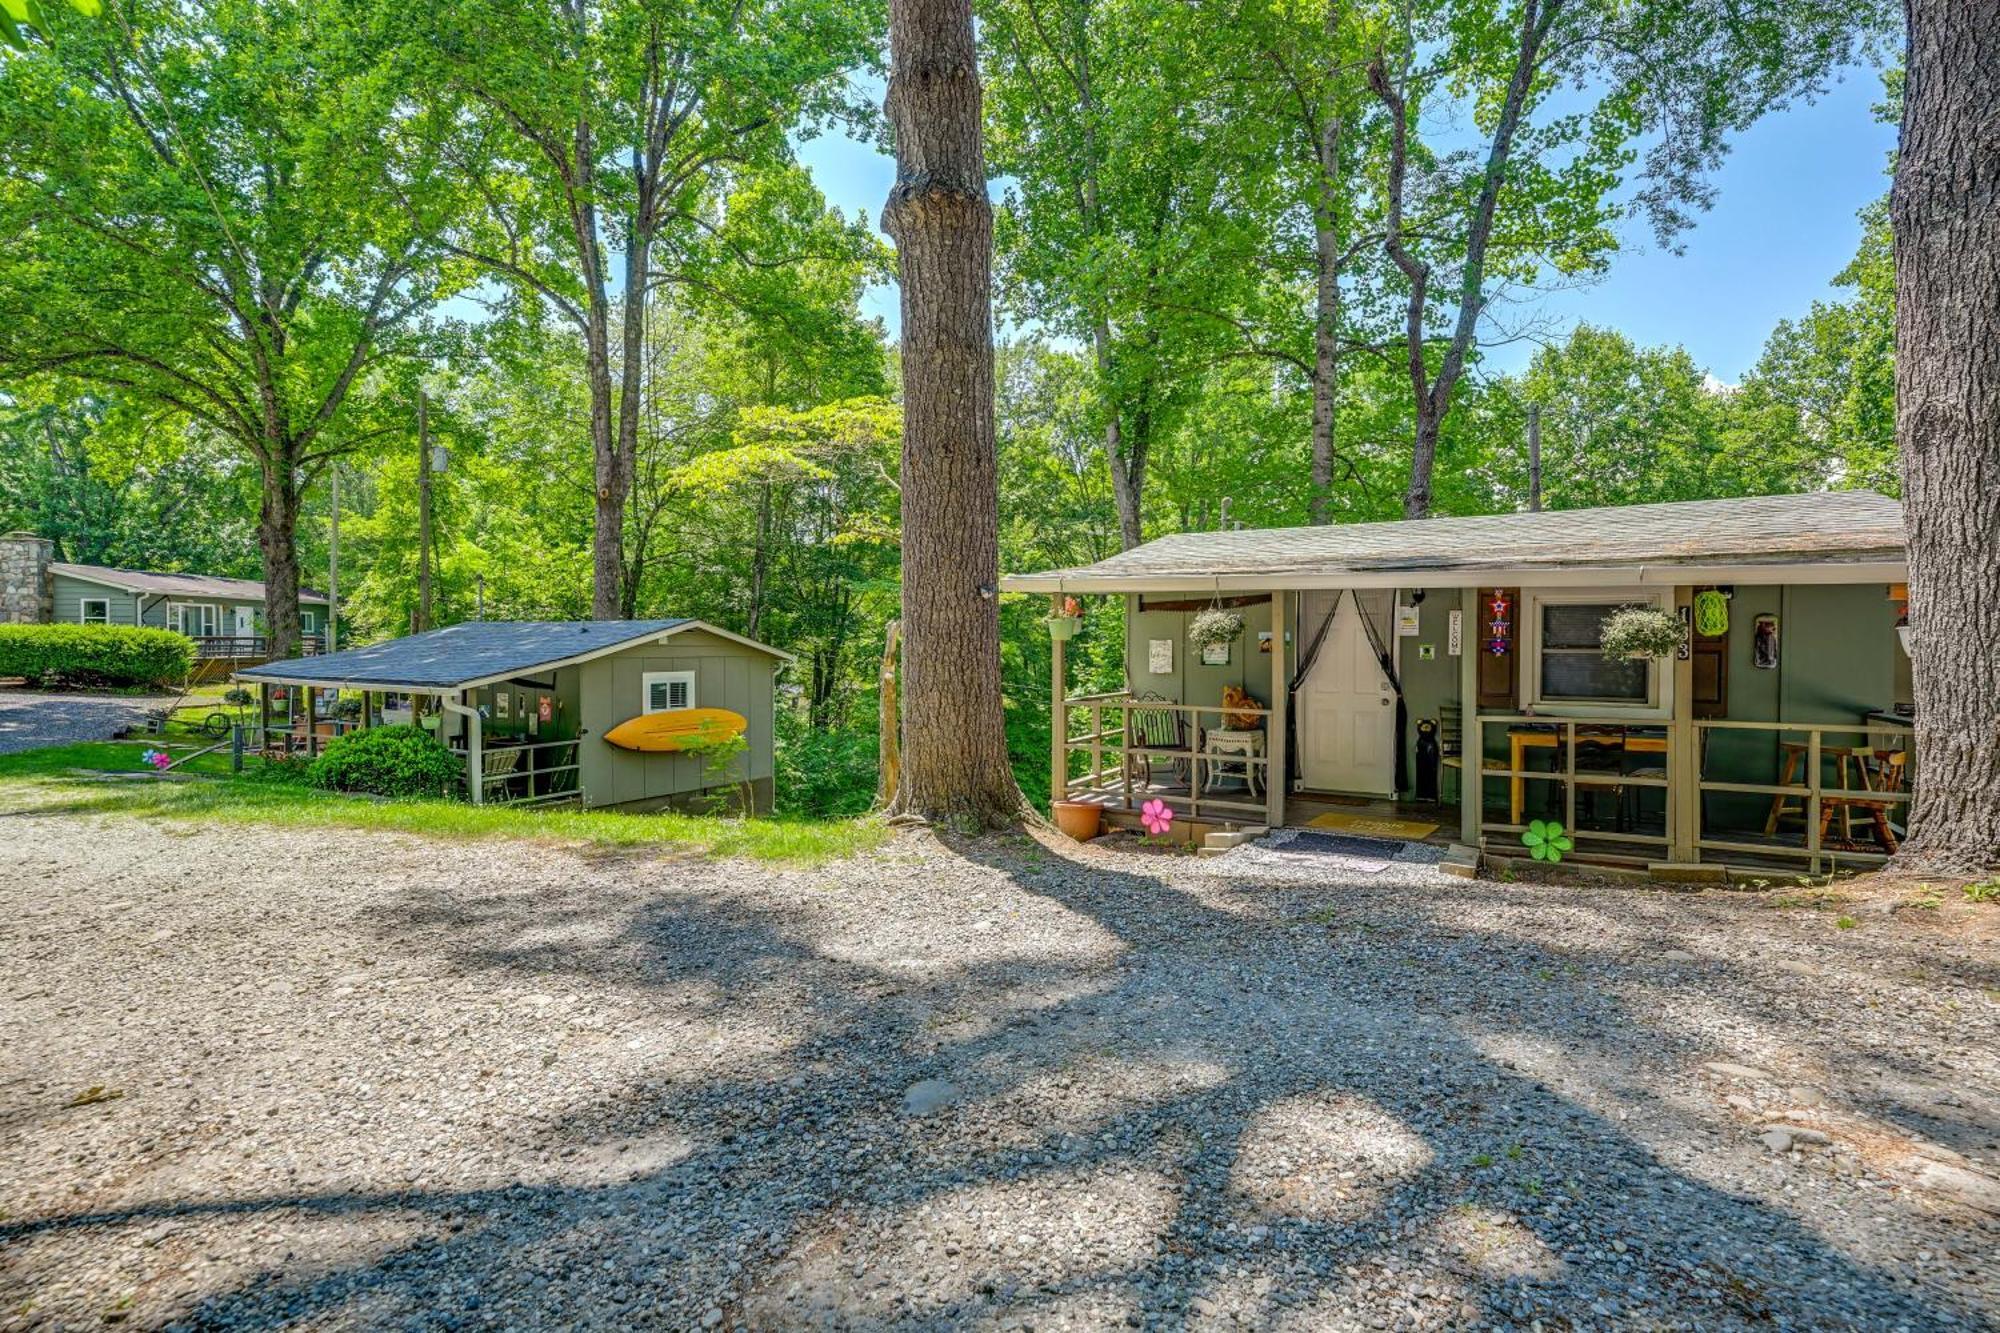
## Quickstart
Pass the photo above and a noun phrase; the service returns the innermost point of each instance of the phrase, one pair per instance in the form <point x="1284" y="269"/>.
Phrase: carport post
<point x="1276" y="758"/>
<point x="263" y="719"/>
<point x="312" y="719"/>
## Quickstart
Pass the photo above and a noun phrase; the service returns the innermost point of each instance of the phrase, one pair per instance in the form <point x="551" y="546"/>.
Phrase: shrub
<point x="95" y="655"/>
<point x="388" y="761"/>
<point x="827" y="774"/>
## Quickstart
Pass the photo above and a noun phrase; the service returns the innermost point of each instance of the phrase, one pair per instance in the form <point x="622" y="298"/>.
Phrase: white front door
<point x="246" y="622"/>
<point x="1347" y="710"/>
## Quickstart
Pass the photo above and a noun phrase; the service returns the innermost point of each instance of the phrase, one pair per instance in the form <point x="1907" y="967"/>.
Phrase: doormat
<point x="1340" y="844"/>
<point x="1372" y="825"/>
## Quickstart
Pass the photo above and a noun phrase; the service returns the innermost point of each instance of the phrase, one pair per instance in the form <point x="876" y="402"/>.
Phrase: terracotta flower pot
<point x="1078" y="819"/>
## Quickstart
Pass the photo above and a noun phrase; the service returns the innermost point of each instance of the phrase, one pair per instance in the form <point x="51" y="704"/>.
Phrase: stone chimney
<point x="27" y="592"/>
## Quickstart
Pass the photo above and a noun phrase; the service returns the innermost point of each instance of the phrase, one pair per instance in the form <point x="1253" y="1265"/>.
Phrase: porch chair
<point x="1154" y="733"/>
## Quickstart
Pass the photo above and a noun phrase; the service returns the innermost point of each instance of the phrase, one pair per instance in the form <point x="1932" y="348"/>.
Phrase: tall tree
<point x="955" y="763"/>
<point x="1945" y="215"/>
<point x="1560" y="92"/>
<point x="221" y="210"/>
<point x="597" y="139"/>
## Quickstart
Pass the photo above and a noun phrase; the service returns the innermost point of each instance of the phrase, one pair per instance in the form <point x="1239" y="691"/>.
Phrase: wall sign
<point x="1407" y="623"/>
<point x="1427" y="652"/>
<point x="1764" y="643"/>
<point x="1160" y="656"/>
<point x="1215" y="654"/>
<point x="1454" y="634"/>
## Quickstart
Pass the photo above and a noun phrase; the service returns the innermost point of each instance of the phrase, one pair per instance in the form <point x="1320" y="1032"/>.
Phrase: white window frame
<point x="83" y="605"/>
<point x="308" y="621"/>
<point x="669" y="679"/>
<point x="1658" y="703"/>
<point x="205" y="614"/>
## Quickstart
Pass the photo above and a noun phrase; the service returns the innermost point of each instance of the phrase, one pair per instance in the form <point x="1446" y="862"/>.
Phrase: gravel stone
<point x="31" y="719"/>
<point x="322" y="1079"/>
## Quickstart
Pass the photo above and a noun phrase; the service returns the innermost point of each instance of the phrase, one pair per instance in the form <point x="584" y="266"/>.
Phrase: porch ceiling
<point x="1826" y="537"/>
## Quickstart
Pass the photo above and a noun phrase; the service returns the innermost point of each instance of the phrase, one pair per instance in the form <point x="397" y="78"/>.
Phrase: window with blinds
<point x="668" y="691"/>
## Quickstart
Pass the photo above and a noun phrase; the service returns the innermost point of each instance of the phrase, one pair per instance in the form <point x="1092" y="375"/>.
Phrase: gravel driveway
<point x="335" y="1080"/>
<point x="30" y="719"/>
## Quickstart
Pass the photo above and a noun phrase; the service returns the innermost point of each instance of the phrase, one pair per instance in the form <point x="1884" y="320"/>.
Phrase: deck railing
<point x="1565" y="735"/>
<point x="1884" y="772"/>
<point x="214" y="647"/>
<point x="1108" y="731"/>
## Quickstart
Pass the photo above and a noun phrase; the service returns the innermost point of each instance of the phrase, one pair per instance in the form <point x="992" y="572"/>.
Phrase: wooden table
<point x="1521" y="739"/>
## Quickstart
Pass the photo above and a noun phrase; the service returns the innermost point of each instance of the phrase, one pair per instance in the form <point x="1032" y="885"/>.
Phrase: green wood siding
<point x="610" y="691"/>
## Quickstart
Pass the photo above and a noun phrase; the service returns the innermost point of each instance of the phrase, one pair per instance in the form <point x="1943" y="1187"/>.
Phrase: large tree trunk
<point x="277" y="529"/>
<point x="1326" y="322"/>
<point x="954" y="746"/>
<point x="1945" y="214"/>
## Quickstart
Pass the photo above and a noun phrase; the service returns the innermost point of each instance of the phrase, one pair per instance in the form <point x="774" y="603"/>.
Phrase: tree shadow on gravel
<point x="1184" y="1079"/>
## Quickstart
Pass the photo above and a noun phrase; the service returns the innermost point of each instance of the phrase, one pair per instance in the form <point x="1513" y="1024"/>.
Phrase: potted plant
<point x="1064" y="622"/>
<point x="1638" y="632"/>
<point x="1214" y="626"/>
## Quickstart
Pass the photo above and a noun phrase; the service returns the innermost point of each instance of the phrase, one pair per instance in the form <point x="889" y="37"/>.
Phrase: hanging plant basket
<point x="1063" y="627"/>
<point x="1215" y="626"/>
<point x="1637" y="632"/>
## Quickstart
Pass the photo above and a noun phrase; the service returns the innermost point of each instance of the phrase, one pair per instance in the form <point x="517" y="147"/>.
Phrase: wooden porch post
<point x="1471" y="740"/>
<point x="1683" y="763"/>
<point x="1058" y="712"/>
<point x="1274" y="751"/>
<point x="263" y="719"/>
<point x="312" y="720"/>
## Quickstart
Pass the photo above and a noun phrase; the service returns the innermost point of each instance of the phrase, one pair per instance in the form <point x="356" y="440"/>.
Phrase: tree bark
<point x="889" y="748"/>
<point x="1945" y="214"/>
<point x="277" y="538"/>
<point x="955" y="763"/>
<point x="1328" y="261"/>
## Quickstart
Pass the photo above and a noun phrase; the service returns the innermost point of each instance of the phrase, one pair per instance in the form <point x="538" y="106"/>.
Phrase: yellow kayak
<point x="676" y="729"/>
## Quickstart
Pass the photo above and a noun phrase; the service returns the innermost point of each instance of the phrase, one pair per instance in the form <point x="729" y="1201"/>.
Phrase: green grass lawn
<point x="63" y="779"/>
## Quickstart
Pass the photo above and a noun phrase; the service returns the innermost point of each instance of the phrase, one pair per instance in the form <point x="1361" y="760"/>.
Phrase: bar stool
<point x="1783" y="806"/>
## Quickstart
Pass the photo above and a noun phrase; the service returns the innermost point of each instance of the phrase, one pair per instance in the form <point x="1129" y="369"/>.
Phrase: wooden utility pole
<point x="1534" y="458"/>
<point x="333" y="558"/>
<point x="423" y="515"/>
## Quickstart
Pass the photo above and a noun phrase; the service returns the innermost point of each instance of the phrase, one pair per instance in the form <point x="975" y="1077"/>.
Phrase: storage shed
<point x="533" y="705"/>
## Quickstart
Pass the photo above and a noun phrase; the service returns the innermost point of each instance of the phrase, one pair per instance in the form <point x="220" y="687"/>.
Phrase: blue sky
<point x="1783" y="225"/>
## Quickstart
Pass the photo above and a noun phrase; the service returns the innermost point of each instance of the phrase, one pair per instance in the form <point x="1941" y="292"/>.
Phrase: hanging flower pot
<point x="1063" y="627"/>
<point x="1638" y="632"/>
<point x="1215" y="626"/>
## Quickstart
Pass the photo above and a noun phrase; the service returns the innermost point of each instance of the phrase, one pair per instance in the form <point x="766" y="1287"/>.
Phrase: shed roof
<point x="174" y="585"/>
<point x="478" y="652"/>
<point x="1827" y="528"/>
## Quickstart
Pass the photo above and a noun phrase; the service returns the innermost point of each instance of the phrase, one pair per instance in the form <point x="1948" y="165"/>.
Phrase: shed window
<point x="668" y="690"/>
<point x="94" y="611"/>
<point x="309" y="622"/>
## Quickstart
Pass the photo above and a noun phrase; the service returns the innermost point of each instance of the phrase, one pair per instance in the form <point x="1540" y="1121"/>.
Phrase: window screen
<point x="94" y="611"/>
<point x="1572" y="666"/>
<point x="669" y="690"/>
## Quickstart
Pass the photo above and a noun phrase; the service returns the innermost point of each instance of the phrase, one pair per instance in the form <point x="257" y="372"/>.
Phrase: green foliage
<point x="1641" y="631"/>
<point x="1983" y="891"/>
<point x="824" y="773"/>
<point x="95" y="655"/>
<point x="389" y="761"/>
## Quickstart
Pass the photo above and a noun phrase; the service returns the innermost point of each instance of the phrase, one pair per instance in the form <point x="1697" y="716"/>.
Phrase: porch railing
<point x="1564" y="735"/>
<point x="1883" y="770"/>
<point x="519" y="780"/>
<point x="1108" y="732"/>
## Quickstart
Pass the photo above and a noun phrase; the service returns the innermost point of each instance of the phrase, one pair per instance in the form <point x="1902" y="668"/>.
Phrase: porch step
<point x="1215" y="844"/>
<point x="1461" y="861"/>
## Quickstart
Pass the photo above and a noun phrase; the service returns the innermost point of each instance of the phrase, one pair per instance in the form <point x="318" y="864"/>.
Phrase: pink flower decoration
<point x="159" y="759"/>
<point x="1157" y="817"/>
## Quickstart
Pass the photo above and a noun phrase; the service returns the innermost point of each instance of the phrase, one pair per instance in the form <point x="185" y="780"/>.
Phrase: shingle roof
<point x="460" y="655"/>
<point x="175" y="585"/>
<point x="1821" y="527"/>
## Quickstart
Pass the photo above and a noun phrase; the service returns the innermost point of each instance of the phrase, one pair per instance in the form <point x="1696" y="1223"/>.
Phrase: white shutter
<point x="668" y="691"/>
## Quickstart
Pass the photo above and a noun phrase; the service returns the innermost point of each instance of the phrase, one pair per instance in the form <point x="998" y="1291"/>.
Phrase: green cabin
<point x="1446" y="675"/>
<point x="529" y="705"/>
